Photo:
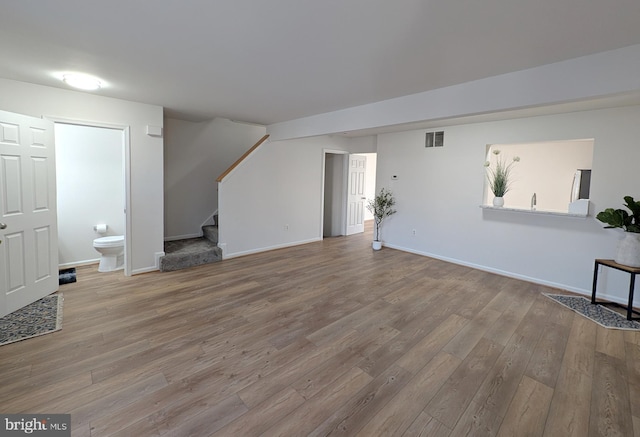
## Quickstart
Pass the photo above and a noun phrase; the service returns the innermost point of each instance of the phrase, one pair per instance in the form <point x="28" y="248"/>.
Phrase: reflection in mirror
<point x="550" y="176"/>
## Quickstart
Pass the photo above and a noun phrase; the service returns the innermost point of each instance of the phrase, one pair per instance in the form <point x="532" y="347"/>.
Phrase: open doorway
<point x="335" y="189"/>
<point x="370" y="181"/>
<point x="92" y="168"/>
<point x="344" y="189"/>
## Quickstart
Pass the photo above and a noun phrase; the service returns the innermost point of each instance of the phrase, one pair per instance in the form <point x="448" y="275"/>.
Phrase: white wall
<point x="90" y="189"/>
<point x="279" y="184"/>
<point x="195" y="155"/>
<point x="147" y="210"/>
<point x="439" y="191"/>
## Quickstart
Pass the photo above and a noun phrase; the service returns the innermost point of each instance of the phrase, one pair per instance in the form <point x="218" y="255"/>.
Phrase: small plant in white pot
<point x="381" y="207"/>
<point x="628" y="253"/>
<point x="500" y="177"/>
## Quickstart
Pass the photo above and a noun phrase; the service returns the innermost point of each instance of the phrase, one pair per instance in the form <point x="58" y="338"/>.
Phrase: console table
<point x="633" y="271"/>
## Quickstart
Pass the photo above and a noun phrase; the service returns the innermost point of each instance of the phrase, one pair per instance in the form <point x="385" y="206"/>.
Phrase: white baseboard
<point x="157" y="257"/>
<point x="182" y="237"/>
<point x="79" y="263"/>
<point x="501" y="272"/>
<point x="582" y="291"/>
<point x="154" y="268"/>
<point x="266" y="249"/>
<point x="144" y="270"/>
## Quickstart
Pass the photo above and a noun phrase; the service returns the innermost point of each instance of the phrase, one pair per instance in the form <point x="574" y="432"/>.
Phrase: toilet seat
<point x="111" y="250"/>
<point x="113" y="241"/>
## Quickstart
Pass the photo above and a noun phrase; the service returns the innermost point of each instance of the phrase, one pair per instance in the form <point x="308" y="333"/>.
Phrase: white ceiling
<point x="271" y="61"/>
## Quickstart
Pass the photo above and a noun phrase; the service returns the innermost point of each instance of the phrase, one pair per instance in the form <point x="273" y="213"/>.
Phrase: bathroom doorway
<point x="92" y="173"/>
<point x="334" y="194"/>
<point x="335" y="186"/>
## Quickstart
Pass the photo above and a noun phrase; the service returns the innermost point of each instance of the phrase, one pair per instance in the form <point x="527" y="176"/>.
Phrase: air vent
<point x="434" y="139"/>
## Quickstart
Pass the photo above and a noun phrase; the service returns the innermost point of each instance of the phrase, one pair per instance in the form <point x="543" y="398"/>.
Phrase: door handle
<point x="3" y="226"/>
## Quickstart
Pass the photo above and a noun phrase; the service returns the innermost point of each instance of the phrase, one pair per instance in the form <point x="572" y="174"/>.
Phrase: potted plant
<point x="381" y="207"/>
<point x="499" y="182"/>
<point x="629" y="247"/>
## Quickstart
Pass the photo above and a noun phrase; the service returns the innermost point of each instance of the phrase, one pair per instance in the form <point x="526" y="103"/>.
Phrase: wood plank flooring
<point x="328" y="338"/>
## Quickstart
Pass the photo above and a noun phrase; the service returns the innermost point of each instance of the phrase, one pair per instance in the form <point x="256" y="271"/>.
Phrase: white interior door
<point x="29" y="234"/>
<point x="356" y="194"/>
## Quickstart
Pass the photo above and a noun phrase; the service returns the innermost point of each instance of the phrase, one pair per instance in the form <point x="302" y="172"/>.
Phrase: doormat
<point x="597" y="313"/>
<point x="67" y="276"/>
<point x="41" y="317"/>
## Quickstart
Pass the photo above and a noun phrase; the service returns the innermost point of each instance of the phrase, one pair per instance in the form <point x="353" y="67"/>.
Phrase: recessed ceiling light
<point x="82" y="81"/>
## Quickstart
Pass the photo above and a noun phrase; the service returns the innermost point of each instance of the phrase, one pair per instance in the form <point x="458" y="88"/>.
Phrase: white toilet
<point x="111" y="248"/>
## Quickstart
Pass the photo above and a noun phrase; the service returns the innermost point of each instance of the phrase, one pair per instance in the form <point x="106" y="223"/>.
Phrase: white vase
<point x="498" y="202"/>
<point x="628" y="253"/>
<point x="377" y="245"/>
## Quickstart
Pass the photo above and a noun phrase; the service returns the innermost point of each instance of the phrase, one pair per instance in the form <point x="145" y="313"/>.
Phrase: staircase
<point x="181" y="254"/>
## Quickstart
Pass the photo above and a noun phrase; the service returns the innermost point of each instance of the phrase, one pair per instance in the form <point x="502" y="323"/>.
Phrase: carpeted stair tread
<point x="210" y="232"/>
<point x="182" y="254"/>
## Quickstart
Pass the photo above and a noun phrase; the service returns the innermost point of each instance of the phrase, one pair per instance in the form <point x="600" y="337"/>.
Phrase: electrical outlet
<point x="413" y="232"/>
<point x="286" y="227"/>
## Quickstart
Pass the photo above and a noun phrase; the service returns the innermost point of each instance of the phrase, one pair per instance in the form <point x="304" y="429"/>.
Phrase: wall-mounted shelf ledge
<point x="535" y="211"/>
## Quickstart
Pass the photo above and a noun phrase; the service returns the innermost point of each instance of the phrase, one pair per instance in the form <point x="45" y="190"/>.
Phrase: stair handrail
<point x="242" y="158"/>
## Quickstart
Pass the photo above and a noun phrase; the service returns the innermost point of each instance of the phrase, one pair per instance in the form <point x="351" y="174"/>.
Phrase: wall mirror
<point x="558" y="173"/>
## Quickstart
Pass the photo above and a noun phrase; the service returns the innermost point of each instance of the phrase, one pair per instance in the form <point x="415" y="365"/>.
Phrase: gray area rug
<point x="599" y="314"/>
<point x="41" y="317"/>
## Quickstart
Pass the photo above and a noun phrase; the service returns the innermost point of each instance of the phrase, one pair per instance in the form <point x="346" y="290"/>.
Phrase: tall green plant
<point x="381" y="207"/>
<point x="619" y="218"/>
<point x="499" y="182"/>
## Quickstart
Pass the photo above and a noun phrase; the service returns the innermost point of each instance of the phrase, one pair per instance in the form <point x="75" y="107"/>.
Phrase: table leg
<point x="595" y="283"/>
<point x="632" y="285"/>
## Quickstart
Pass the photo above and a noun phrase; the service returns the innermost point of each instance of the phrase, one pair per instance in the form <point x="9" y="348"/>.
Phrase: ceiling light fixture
<point x="82" y="81"/>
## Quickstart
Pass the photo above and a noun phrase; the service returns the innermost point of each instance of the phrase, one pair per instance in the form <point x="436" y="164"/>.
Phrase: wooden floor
<point x="328" y="338"/>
